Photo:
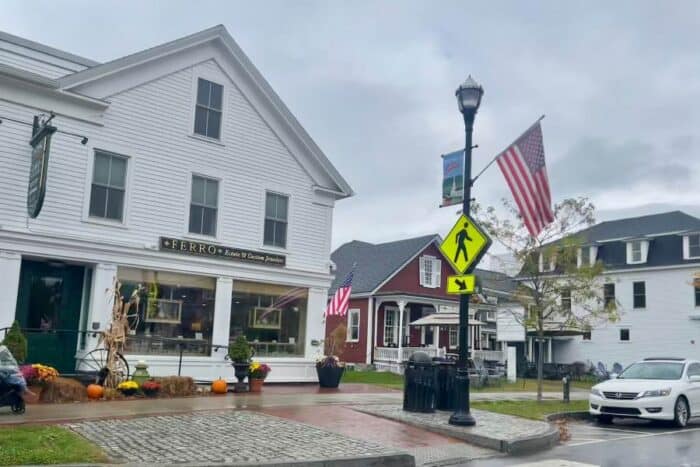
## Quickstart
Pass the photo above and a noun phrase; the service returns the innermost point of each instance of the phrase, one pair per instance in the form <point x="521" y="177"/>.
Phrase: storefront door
<point x="48" y="307"/>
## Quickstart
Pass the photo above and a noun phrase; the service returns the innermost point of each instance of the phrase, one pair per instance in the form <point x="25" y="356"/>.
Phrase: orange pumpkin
<point x="95" y="391"/>
<point x="219" y="386"/>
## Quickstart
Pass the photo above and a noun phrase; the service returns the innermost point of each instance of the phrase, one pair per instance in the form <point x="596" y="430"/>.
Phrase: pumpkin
<point x="219" y="386"/>
<point x="95" y="391"/>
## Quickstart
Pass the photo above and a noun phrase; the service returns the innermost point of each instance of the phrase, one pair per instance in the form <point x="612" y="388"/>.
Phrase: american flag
<point x="523" y="167"/>
<point x="341" y="299"/>
<point x="287" y="298"/>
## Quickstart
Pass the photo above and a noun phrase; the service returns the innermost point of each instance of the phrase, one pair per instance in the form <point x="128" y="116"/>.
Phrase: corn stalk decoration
<point x="124" y="319"/>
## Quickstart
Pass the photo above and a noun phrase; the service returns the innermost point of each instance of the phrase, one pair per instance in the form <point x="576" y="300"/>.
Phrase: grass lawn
<point x="391" y="380"/>
<point x="45" y="445"/>
<point x="530" y="409"/>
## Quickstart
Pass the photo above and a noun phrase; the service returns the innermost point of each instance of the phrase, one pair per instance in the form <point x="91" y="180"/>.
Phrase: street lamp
<point x="468" y="97"/>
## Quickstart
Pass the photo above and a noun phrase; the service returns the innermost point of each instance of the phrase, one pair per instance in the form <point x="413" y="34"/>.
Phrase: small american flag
<point x="341" y="299"/>
<point x="523" y="167"/>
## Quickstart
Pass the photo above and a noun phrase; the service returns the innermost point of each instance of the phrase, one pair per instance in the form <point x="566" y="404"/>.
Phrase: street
<point x="626" y="443"/>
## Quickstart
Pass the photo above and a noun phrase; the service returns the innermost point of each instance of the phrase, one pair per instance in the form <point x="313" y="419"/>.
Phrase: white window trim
<point x="395" y="311"/>
<point x="644" y="251"/>
<point x="224" y="101"/>
<point x="592" y="255"/>
<point x="619" y="330"/>
<point x="188" y="201"/>
<point x="686" y="246"/>
<point x="645" y="296"/>
<point x="354" y="311"/>
<point x="121" y="152"/>
<point x="435" y="273"/>
<point x="453" y="344"/>
<point x="273" y="248"/>
<point x="552" y="263"/>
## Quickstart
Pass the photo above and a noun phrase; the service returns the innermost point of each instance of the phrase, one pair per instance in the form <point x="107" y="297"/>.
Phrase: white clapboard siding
<point x="152" y="124"/>
<point x="664" y="328"/>
<point x="36" y="62"/>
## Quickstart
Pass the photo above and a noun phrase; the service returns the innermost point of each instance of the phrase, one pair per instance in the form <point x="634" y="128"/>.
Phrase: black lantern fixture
<point x="469" y="96"/>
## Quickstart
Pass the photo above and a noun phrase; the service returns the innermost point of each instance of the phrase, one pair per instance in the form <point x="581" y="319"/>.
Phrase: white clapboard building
<point x="177" y="168"/>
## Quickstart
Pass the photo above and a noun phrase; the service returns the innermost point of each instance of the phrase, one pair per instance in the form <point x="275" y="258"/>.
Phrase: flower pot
<point x="241" y="370"/>
<point x="150" y="392"/>
<point x="33" y="395"/>
<point x="329" y="376"/>
<point x="128" y="392"/>
<point x="256" y="384"/>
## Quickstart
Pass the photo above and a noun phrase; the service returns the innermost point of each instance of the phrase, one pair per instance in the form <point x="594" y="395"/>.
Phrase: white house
<point x="177" y="168"/>
<point x="652" y="273"/>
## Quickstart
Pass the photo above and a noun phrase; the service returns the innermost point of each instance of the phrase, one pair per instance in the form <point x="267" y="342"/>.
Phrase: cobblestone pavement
<point x="489" y="424"/>
<point x="228" y="436"/>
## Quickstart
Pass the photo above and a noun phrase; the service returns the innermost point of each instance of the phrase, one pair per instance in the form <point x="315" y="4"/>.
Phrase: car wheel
<point x="605" y="419"/>
<point x="681" y="412"/>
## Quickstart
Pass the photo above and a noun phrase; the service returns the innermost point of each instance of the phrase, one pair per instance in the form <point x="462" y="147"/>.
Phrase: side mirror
<point x="694" y="379"/>
<point x="613" y="375"/>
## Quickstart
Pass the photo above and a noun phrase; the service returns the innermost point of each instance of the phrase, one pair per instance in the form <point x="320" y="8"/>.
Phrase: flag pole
<point x="496" y="156"/>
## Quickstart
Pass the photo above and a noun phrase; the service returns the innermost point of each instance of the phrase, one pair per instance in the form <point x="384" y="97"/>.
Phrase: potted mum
<point x="256" y="375"/>
<point x="150" y="388"/>
<point x="37" y="376"/>
<point x="128" y="388"/>
<point x="329" y="368"/>
<point x="240" y="353"/>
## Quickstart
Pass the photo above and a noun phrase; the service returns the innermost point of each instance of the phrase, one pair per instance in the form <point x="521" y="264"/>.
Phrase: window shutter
<point x="437" y="269"/>
<point x="421" y="272"/>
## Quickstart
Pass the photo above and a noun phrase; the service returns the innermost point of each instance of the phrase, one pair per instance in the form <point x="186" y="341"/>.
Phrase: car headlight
<point x="657" y="393"/>
<point x="596" y="392"/>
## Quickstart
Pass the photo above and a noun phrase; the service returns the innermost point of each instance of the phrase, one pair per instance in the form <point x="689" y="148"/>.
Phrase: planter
<point x="329" y="376"/>
<point x="33" y="395"/>
<point x="128" y="392"/>
<point x="150" y="392"/>
<point x="256" y="384"/>
<point x="241" y="370"/>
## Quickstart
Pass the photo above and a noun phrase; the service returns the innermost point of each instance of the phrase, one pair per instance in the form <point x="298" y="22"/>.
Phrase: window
<point x="429" y="270"/>
<point x="547" y="261"/>
<point x="587" y="336"/>
<point x="639" y="297"/>
<point x="566" y="300"/>
<point x="203" y="205"/>
<point x="694" y="369"/>
<point x="353" y="325"/>
<point x="693" y="246"/>
<point x="207" y="115"/>
<point x="453" y="337"/>
<point x="637" y="251"/>
<point x="624" y="335"/>
<point x="276" y="211"/>
<point x="173" y="309"/>
<point x="585" y="258"/>
<point x="391" y="327"/>
<point x="697" y="295"/>
<point x="609" y="295"/>
<point x="108" y="186"/>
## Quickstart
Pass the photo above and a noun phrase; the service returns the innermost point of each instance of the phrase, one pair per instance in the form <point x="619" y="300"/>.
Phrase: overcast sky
<point x="373" y="83"/>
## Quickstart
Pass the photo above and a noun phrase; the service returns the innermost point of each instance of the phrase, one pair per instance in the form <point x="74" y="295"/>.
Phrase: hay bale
<point x="177" y="386"/>
<point x="63" y="390"/>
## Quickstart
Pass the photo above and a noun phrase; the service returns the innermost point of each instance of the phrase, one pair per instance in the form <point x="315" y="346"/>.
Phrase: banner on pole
<point x="452" y="178"/>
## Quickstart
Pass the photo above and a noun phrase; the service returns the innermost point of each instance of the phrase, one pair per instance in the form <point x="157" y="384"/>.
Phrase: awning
<point x="443" y="319"/>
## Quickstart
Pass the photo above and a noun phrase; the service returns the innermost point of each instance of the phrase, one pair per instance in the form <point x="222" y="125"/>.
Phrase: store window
<point x="272" y="318"/>
<point x="175" y="310"/>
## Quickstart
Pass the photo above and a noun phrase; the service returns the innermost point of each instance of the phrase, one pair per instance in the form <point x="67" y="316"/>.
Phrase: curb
<point x="582" y="415"/>
<point x="524" y="445"/>
<point x="388" y="460"/>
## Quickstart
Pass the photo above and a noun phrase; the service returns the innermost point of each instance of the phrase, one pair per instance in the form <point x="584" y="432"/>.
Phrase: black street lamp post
<point x="469" y="97"/>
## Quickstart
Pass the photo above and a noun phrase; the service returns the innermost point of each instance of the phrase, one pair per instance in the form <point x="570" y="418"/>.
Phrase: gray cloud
<point x="373" y="83"/>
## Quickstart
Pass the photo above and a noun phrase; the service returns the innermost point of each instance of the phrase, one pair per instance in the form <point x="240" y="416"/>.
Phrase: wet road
<point x="626" y="443"/>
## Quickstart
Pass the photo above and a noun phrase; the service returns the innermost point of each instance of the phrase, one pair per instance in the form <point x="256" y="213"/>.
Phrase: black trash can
<point x="446" y="373"/>
<point x="420" y="384"/>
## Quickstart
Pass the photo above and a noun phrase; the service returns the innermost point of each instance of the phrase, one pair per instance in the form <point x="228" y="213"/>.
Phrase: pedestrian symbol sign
<point x="465" y="244"/>
<point x="461" y="284"/>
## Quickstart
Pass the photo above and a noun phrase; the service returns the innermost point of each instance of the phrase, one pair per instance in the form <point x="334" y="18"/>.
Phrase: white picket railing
<point x="491" y="355"/>
<point x="392" y="354"/>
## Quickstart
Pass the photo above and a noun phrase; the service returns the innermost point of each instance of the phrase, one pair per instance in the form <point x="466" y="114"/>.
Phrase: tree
<point x="555" y="289"/>
<point x="16" y="342"/>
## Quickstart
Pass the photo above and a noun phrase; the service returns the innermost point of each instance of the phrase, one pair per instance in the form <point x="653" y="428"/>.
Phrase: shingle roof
<point x="654" y="224"/>
<point x="21" y="41"/>
<point x="377" y="262"/>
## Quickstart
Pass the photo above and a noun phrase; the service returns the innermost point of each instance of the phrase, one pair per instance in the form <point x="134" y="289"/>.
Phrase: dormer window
<point x="587" y="256"/>
<point x="691" y="246"/>
<point x="430" y="268"/>
<point x="547" y="262"/>
<point x="637" y="251"/>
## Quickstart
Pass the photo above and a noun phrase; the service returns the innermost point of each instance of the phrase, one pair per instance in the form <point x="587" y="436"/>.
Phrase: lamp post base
<point x="461" y="418"/>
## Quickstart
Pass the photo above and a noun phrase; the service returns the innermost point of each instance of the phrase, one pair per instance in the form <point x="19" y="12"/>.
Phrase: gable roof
<point x="375" y="263"/>
<point x="69" y="57"/>
<point x="642" y="226"/>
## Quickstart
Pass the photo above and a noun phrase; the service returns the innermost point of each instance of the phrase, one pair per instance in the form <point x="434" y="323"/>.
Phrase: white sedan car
<point x="655" y="389"/>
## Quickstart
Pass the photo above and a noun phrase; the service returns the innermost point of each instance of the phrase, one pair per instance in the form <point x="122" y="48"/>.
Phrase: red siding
<point x="354" y="352"/>
<point x="408" y="282"/>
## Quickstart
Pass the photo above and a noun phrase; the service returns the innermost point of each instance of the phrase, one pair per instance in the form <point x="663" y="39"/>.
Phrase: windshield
<point x="653" y="370"/>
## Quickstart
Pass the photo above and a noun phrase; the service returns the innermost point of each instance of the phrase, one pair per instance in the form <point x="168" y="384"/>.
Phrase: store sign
<point x="38" y="170"/>
<point x="191" y="247"/>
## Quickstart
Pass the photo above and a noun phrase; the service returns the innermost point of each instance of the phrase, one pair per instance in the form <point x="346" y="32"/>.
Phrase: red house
<point x="399" y="304"/>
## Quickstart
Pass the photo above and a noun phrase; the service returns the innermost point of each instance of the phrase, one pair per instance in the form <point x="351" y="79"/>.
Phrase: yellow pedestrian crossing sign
<point x="465" y="244"/>
<point x="461" y="284"/>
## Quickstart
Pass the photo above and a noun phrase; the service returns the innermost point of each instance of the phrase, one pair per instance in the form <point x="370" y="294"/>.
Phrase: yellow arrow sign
<point x="461" y="284"/>
<point x="465" y="244"/>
